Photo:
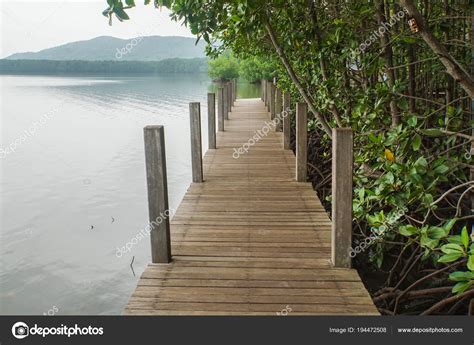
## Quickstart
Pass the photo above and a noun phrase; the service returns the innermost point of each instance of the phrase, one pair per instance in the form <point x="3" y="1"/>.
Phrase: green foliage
<point x="256" y="68"/>
<point x="109" y="67"/>
<point x="224" y="67"/>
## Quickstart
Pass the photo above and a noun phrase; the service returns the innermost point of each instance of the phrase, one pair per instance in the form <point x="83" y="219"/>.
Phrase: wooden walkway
<point x="250" y="240"/>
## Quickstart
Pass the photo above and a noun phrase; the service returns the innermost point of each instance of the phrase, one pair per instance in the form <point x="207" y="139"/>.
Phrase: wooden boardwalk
<point x="250" y="240"/>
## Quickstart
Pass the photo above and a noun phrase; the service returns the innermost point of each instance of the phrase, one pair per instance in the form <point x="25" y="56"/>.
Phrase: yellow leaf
<point x="389" y="155"/>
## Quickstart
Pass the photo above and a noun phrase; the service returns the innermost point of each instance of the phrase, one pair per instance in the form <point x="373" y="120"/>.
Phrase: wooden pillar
<point x="268" y="95"/>
<point x="342" y="166"/>
<point x="211" y="118"/>
<point x="278" y="110"/>
<point x="286" y="120"/>
<point x="264" y="90"/>
<point x="235" y="90"/>
<point x="272" y="100"/>
<point x="220" y="108"/>
<point x="231" y="97"/>
<point x="157" y="186"/>
<point x="196" y="149"/>
<point x="226" y="101"/>
<point x="301" y="142"/>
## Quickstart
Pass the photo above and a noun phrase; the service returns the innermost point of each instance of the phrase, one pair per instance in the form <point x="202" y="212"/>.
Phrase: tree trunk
<point x="452" y="65"/>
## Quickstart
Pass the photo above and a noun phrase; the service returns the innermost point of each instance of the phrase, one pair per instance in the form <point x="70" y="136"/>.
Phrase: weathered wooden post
<point x="301" y="142"/>
<point x="286" y="120"/>
<point x="264" y="88"/>
<point x="342" y="165"/>
<point x="234" y="90"/>
<point x="226" y="101"/>
<point x="278" y="110"/>
<point x="272" y="100"/>
<point x="268" y="88"/>
<point x="196" y="149"/>
<point x="211" y="117"/>
<point x="231" y="97"/>
<point x="157" y="186"/>
<point x="220" y="108"/>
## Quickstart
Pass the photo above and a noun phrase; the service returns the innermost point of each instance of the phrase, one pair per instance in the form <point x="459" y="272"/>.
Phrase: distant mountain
<point x="149" y="48"/>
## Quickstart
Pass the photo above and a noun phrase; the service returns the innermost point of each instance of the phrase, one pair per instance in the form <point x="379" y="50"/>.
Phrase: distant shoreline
<point x="108" y="67"/>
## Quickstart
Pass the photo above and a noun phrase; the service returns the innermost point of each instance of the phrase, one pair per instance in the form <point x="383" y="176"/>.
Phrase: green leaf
<point x="437" y="232"/>
<point x="416" y="143"/>
<point x="460" y="276"/>
<point x="412" y="121"/>
<point x="461" y="287"/>
<point x="441" y="169"/>
<point x="432" y="132"/>
<point x="470" y="262"/>
<point x="407" y="230"/>
<point x="450" y="257"/>
<point x="452" y="248"/>
<point x="465" y="237"/>
<point x="427" y="242"/>
<point x="449" y="225"/>
<point x="455" y="239"/>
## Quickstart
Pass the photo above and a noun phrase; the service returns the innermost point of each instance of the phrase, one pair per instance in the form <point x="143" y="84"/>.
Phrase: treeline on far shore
<point x="177" y="65"/>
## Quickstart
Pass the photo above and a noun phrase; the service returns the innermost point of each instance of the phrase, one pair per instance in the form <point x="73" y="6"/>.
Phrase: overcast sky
<point x="36" y="25"/>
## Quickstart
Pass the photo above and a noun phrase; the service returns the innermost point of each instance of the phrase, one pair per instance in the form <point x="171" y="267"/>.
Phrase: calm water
<point x="82" y="166"/>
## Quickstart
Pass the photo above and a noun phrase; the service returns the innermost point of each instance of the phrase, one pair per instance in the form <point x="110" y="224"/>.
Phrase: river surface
<point x="73" y="184"/>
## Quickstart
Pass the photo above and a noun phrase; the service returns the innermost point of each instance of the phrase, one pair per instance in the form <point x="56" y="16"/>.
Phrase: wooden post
<point x="268" y="95"/>
<point x="262" y="90"/>
<point x="264" y="87"/>
<point x="235" y="90"/>
<point x="272" y="100"/>
<point x="286" y="120"/>
<point x="220" y="108"/>
<point x="196" y="150"/>
<point x="231" y="97"/>
<point x="211" y="118"/>
<point x="157" y="186"/>
<point x="342" y="165"/>
<point x="226" y="101"/>
<point x="301" y="142"/>
<point x="278" y="110"/>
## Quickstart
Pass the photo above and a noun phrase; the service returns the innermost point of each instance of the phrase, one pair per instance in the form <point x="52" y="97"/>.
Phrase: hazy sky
<point x="35" y="25"/>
